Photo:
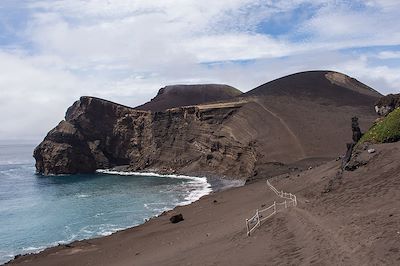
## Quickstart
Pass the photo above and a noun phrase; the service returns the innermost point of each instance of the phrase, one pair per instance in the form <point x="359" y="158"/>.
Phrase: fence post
<point x="293" y="200"/>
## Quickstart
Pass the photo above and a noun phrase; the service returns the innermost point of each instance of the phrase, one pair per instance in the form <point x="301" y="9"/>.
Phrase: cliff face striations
<point x="100" y="134"/>
<point x="288" y="123"/>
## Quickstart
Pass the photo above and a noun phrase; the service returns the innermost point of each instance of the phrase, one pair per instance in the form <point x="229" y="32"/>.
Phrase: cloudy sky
<point x="53" y="51"/>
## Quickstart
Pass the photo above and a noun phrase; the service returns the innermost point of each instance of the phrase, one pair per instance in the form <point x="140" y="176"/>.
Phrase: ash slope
<point x="183" y="95"/>
<point x="320" y="86"/>
<point x="261" y="133"/>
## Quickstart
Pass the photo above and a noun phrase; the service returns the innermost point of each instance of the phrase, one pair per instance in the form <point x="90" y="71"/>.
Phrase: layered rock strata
<point x="98" y="134"/>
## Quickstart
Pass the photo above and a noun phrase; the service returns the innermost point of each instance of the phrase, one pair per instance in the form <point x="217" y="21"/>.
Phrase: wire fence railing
<point x="264" y="214"/>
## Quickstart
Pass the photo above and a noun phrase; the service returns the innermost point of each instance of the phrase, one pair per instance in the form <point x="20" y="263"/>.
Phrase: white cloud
<point x="146" y="38"/>
<point x="384" y="4"/>
<point x="389" y="55"/>
<point x="126" y="50"/>
<point x="30" y="96"/>
<point x="337" y="27"/>
<point x="236" y="47"/>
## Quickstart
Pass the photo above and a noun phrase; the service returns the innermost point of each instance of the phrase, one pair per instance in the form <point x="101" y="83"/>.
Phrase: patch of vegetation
<point x="385" y="130"/>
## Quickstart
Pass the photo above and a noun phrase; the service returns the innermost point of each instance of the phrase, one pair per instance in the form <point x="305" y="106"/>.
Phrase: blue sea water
<point x="41" y="211"/>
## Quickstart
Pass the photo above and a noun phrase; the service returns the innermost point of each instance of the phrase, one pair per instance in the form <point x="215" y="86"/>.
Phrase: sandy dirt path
<point x="296" y="141"/>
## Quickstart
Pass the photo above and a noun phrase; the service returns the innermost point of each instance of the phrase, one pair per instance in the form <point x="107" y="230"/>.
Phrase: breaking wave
<point x="197" y="186"/>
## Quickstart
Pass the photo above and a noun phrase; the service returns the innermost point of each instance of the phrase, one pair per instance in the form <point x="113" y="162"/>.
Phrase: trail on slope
<point x="286" y="126"/>
<point x="324" y="240"/>
<point x="299" y="238"/>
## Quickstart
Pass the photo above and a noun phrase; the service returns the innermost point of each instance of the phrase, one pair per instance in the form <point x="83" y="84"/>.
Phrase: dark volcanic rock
<point x="94" y="135"/>
<point x="355" y="127"/>
<point x="98" y="134"/>
<point x="347" y="156"/>
<point x="346" y="165"/>
<point x="387" y="104"/>
<point x="176" y="218"/>
<point x="354" y="164"/>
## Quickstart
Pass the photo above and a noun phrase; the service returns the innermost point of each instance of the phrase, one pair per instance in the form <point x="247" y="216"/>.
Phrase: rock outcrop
<point x="350" y="146"/>
<point x="176" y="218"/>
<point x="355" y="128"/>
<point x="287" y="124"/>
<point x="98" y="134"/>
<point x="387" y="104"/>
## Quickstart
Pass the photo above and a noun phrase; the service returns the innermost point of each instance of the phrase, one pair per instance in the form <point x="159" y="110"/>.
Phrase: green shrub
<point x="385" y="130"/>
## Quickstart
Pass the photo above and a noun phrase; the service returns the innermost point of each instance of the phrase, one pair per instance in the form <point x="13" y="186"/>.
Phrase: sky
<point x="54" y="51"/>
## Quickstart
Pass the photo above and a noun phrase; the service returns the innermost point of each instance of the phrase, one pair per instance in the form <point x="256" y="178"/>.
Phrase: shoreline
<point x="215" y="185"/>
<point x="148" y="221"/>
<point x="330" y="225"/>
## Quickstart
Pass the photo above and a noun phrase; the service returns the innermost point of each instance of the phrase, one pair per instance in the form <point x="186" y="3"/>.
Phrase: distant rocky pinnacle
<point x="387" y="104"/>
<point x="284" y="124"/>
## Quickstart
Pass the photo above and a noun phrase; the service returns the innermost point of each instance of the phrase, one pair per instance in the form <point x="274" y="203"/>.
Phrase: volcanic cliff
<point x="288" y="123"/>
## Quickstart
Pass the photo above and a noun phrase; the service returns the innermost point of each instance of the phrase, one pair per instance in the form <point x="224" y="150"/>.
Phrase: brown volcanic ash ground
<point x="295" y="121"/>
<point x="183" y="95"/>
<point x="356" y="223"/>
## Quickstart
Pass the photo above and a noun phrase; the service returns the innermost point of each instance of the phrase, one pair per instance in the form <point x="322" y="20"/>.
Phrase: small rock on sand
<point x="371" y="150"/>
<point x="176" y="218"/>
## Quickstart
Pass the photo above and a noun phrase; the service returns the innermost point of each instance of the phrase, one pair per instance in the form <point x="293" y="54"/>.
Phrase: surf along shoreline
<point x="207" y="185"/>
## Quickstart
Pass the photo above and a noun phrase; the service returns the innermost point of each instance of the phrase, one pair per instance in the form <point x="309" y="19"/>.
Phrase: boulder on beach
<point x="176" y="218"/>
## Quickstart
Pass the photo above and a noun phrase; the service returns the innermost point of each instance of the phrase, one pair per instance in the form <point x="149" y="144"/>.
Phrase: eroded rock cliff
<point x="99" y="134"/>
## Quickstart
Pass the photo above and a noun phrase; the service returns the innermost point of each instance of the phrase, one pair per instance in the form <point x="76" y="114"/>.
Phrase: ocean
<point x="42" y="211"/>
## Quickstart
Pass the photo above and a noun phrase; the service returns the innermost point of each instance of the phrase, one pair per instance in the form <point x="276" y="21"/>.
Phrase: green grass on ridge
<point x="385" y="130"/>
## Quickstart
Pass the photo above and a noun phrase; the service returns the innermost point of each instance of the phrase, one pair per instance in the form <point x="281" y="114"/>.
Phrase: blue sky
<point x="53" y="51"/>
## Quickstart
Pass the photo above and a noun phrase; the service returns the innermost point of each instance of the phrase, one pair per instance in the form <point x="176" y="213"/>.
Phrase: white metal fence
<point x="264" y="214"/>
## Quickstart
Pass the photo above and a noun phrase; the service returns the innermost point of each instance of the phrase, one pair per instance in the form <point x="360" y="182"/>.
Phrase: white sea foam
<point x="113" y="172"/>
<point x="108" y="229"/>
<point x="200" y="185"/>
<point x="156" y="207"/>
<point x="194" y="188"/>
<point x="34" y="249"/>
<point x="4" y="256"/>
